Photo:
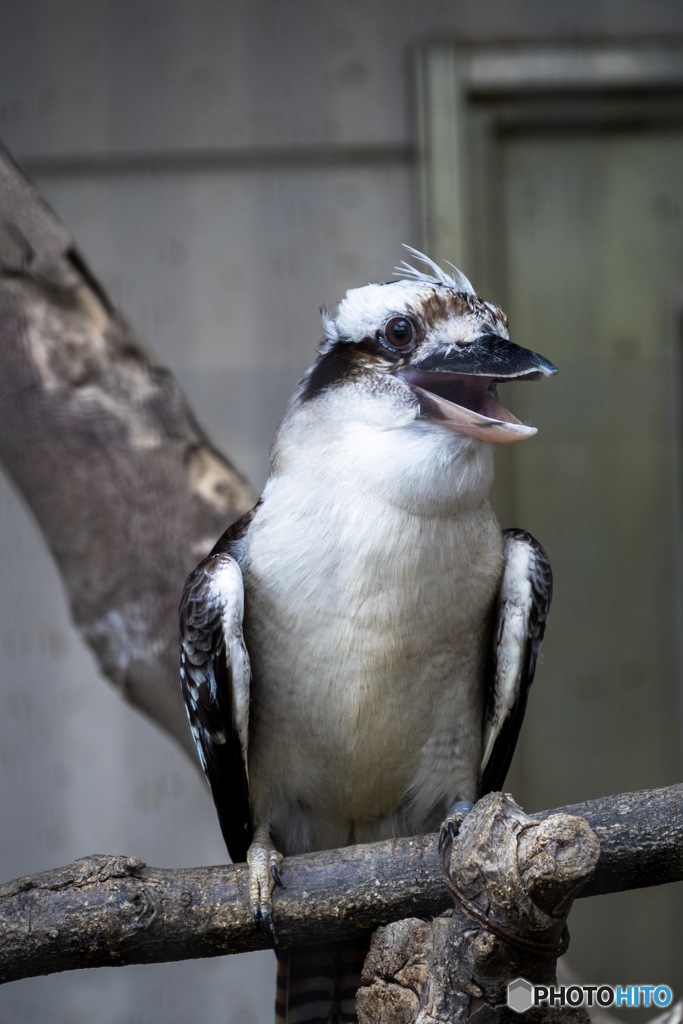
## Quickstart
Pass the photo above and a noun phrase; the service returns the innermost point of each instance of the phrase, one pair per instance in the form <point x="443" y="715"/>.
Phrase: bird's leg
<point x="264" y="863"/>
<point x="450" y="826"/>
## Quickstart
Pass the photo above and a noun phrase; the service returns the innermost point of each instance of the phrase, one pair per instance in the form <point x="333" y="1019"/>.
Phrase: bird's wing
<point x="523" y="603"/>
<point x="215" y="679"/>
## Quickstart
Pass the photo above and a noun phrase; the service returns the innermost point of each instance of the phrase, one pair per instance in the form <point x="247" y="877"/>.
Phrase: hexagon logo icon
<point x="520" y="995"/>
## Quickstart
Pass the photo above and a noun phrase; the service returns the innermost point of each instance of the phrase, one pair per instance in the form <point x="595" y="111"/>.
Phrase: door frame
<point x="469" y="97"/>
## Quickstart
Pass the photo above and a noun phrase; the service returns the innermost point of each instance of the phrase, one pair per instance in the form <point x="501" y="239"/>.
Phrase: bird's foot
<point x="450" y="826"/>
<point x="264" y="864"/>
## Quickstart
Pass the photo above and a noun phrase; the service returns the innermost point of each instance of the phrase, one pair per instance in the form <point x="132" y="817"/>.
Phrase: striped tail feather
<point x="317" y="984"/>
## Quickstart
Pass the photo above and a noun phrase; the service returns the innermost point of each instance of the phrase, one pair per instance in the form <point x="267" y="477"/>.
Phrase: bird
<point x="357" y="650"/>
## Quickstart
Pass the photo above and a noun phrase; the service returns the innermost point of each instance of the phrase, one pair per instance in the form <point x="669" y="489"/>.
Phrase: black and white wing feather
<point x="523" y="604"/>
<point x="215" y="678"/>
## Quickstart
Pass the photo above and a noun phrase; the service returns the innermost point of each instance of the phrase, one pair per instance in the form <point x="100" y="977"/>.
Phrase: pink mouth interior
<point x="468" y="391"/>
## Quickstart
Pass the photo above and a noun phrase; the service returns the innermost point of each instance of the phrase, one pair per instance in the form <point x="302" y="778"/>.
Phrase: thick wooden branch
<point x="513" y="880"/>
<point x="114" y="910"/>
<point x="98" y="439"/>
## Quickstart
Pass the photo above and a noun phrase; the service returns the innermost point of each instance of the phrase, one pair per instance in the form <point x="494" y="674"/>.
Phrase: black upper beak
<point x="489" y="355"/>
<point x="456" y="386"/>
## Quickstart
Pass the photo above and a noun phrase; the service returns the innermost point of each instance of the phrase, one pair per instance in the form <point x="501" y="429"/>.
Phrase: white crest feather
<point x="329" y="325"/>
<point x="456" y="280"/>
<point x="362" y="310"/>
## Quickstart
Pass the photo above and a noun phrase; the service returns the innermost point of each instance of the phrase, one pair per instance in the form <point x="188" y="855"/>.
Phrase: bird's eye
<point x="398" y="333"/>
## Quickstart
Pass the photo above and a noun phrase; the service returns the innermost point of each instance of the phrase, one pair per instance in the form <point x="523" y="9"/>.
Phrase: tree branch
<point x="513" y="880"/>
<point x="98" y="439"/>
<point x="103" y="911"/>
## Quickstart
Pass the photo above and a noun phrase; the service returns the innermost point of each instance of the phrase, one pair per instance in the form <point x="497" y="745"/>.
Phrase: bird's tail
<point x="317" y="984"/>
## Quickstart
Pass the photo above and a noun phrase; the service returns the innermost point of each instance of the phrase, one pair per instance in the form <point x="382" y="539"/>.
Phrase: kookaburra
<point x="357" y="649"/>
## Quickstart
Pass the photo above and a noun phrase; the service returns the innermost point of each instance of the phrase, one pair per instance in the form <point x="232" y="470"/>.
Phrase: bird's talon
<point x="264" y="874"/>
<point x="264" y="922"/>
<point x="276" y="876"/>
<point x="268" y="927"/>
<point x="454" y="819"/>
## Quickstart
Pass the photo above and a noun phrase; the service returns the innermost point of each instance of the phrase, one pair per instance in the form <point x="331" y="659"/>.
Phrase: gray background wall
<point x="226" y="167"/>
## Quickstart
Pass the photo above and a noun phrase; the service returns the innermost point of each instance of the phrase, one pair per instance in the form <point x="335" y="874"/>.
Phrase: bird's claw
<point x="264" y="922"/>
<point x="264" y="874"/>
<point x="452" y="822"/>
<point x="276" y="876"/>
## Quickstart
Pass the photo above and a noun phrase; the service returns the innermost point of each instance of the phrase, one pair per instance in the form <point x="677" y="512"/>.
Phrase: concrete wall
<point x="226" y="167"/>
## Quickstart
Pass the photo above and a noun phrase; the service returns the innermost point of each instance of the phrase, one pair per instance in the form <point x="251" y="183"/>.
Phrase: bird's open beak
<point x="457" y="386"/>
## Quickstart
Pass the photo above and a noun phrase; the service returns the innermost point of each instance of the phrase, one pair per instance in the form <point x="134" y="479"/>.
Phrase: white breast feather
<point x="384" y="716"/>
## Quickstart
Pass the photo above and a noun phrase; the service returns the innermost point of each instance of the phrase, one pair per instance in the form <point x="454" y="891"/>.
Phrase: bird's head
<point x="431" y="348"/>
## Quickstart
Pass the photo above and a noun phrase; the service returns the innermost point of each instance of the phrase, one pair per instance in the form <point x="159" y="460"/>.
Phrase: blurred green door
<point x="593" y="262"/>
<point x="572" y="219"/>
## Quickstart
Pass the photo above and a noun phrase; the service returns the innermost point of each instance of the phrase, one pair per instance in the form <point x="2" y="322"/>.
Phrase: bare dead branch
<point x="114" y="910"/>
<point x="98" y="439"/>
